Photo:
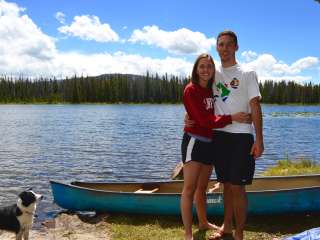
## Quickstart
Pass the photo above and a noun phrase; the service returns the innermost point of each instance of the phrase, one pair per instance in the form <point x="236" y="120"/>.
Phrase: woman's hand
<point x="242" y="117"/>
<point x="187" y="121"/>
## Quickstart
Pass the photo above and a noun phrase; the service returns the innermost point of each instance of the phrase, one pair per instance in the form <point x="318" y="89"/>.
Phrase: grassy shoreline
<point x="287" y="167"/>
<point x="267" y="227"/>
<point x="85" y="226"/>
<point x="133" y="227"/>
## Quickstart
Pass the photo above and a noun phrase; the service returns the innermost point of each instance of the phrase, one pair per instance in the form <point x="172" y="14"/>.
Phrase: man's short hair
<point x="228" y="33"/>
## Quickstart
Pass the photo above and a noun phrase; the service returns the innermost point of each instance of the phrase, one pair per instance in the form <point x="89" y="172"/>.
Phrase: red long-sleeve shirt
<point x="198" y="102"/>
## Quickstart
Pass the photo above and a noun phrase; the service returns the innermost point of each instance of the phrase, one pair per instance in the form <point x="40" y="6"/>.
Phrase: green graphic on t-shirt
<point x="224" y="91"/>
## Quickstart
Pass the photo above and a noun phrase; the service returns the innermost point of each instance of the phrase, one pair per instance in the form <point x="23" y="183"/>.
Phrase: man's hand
<point x="242" y="117"/>
<point x="257" y="149"/>
<point x="256" y="112"/>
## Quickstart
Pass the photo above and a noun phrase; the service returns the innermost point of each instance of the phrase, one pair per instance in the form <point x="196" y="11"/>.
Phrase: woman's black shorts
<point x="193" y="149"/>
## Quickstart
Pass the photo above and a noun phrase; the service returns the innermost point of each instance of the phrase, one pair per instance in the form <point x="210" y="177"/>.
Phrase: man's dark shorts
<point x="233" y="162"/>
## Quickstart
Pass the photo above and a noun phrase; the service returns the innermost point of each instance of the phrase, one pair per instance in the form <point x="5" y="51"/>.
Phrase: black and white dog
<point x="18" y="217"/>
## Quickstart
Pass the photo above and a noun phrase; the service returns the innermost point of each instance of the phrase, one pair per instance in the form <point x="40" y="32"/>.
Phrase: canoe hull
<point x="81" y="199"/>
<point x="77" y="198"/>
<point x="304" y="200"/>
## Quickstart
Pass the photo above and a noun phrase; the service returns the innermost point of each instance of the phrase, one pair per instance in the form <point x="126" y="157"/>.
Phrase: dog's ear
<point x="22" y="194"/>
<point x="29" y="189"/>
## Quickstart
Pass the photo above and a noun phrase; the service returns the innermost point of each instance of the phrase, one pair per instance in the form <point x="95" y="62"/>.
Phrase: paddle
<point x="177" y="173"/>
<point x="215" y="187"/>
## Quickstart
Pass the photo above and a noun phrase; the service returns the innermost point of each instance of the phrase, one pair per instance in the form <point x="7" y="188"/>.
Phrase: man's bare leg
<point x="228" y="208"/>
<point x="240" y="205"/>
<point x="228" y="212"/>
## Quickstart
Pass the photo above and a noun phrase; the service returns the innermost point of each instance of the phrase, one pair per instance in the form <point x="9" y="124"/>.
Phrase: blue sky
<point x="278" y="39"/>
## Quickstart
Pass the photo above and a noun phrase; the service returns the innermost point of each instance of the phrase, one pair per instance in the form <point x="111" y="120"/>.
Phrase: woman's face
<point x="205" y="71"/>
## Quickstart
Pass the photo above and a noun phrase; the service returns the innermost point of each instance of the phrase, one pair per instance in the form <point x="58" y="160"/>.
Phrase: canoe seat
<point x="141" y="190"/>
<point x="148" y="188"/>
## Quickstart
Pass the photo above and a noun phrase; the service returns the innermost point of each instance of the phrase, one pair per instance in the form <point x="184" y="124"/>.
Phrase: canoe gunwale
<point x="74" y="185"/>
<point x="211" y="179"/>
<point x="107" y="191"/>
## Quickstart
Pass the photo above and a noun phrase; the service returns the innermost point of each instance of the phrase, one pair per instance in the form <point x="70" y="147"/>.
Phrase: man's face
<point x="226" y="48"/>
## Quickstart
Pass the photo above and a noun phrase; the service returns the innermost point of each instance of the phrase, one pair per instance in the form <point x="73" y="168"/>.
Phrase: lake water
<point x="121" y="143"/>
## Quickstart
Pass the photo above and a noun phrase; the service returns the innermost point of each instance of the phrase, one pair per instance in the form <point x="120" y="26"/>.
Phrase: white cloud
<point x="182" y="41"/>
<point x="304" y="63"/>
<point x="96" y="64"/>
<point x="268" y="67"/>
<point x="9" y="9"/>
<point x="26" y="50"/>
<point x="249" y="55"/>
<point x="22" y="43"/>
<point x="60" y="17"/>
<point x="90" y="28"/>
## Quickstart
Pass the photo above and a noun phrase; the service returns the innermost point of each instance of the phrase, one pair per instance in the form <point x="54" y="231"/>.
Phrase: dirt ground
<point x="68" y="227"/>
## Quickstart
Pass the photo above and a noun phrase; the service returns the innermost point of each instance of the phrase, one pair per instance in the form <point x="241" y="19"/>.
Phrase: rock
<point x="69" y="227"/>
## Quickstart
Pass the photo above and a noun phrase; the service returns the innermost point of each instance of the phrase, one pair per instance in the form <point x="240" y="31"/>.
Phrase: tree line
<point x="289" y="92"/>
<point x="126" y="88"/>
<point x="107" y="88"/>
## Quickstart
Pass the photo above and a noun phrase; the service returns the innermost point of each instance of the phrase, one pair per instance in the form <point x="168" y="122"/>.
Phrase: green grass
<point x="129" y="227"/>
<point x="132" y="227"/>
<point x="293" y="167"/>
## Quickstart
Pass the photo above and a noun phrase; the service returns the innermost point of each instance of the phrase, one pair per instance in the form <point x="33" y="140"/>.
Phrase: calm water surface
<point x="121" y="143"/>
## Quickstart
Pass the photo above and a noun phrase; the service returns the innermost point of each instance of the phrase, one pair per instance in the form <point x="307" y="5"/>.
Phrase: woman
<point x="196" y="145"/>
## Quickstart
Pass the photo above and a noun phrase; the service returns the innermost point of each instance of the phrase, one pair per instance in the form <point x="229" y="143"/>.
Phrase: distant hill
<point x="113" y="75"/>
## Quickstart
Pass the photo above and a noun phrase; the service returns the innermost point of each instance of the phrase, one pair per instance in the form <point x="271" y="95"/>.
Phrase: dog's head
<point x="28" y="197"/>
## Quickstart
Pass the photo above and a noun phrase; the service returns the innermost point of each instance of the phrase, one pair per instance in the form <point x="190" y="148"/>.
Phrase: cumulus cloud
<point x="60" y="17"/>
<point x="90" y="28"/>
<point x="22" y="43"/>
<point x="249" y="55"/>
<point x="270" y="68"/>
<point x="9" y="9"/>
<point x="181" y="41"/>
<point x="304" y="63"/>
<point x="26" y="50"/>
<point x="96" y="64"/>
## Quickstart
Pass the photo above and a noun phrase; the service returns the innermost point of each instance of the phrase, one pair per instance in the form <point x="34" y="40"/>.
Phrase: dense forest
<point x="125" y="88"/>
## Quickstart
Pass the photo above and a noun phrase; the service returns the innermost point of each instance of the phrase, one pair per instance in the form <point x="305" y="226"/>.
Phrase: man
<point x="235" y="89"/>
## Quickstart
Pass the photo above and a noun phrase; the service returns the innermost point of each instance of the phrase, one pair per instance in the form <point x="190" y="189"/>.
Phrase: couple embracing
<point x="223" y="113"/>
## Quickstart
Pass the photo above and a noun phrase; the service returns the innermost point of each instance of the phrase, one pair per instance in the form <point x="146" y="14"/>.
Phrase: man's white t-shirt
<point x="233" y="89"/>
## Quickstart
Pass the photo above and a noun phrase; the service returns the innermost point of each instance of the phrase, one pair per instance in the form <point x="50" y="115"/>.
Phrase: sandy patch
<point x="69" y="227"/>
